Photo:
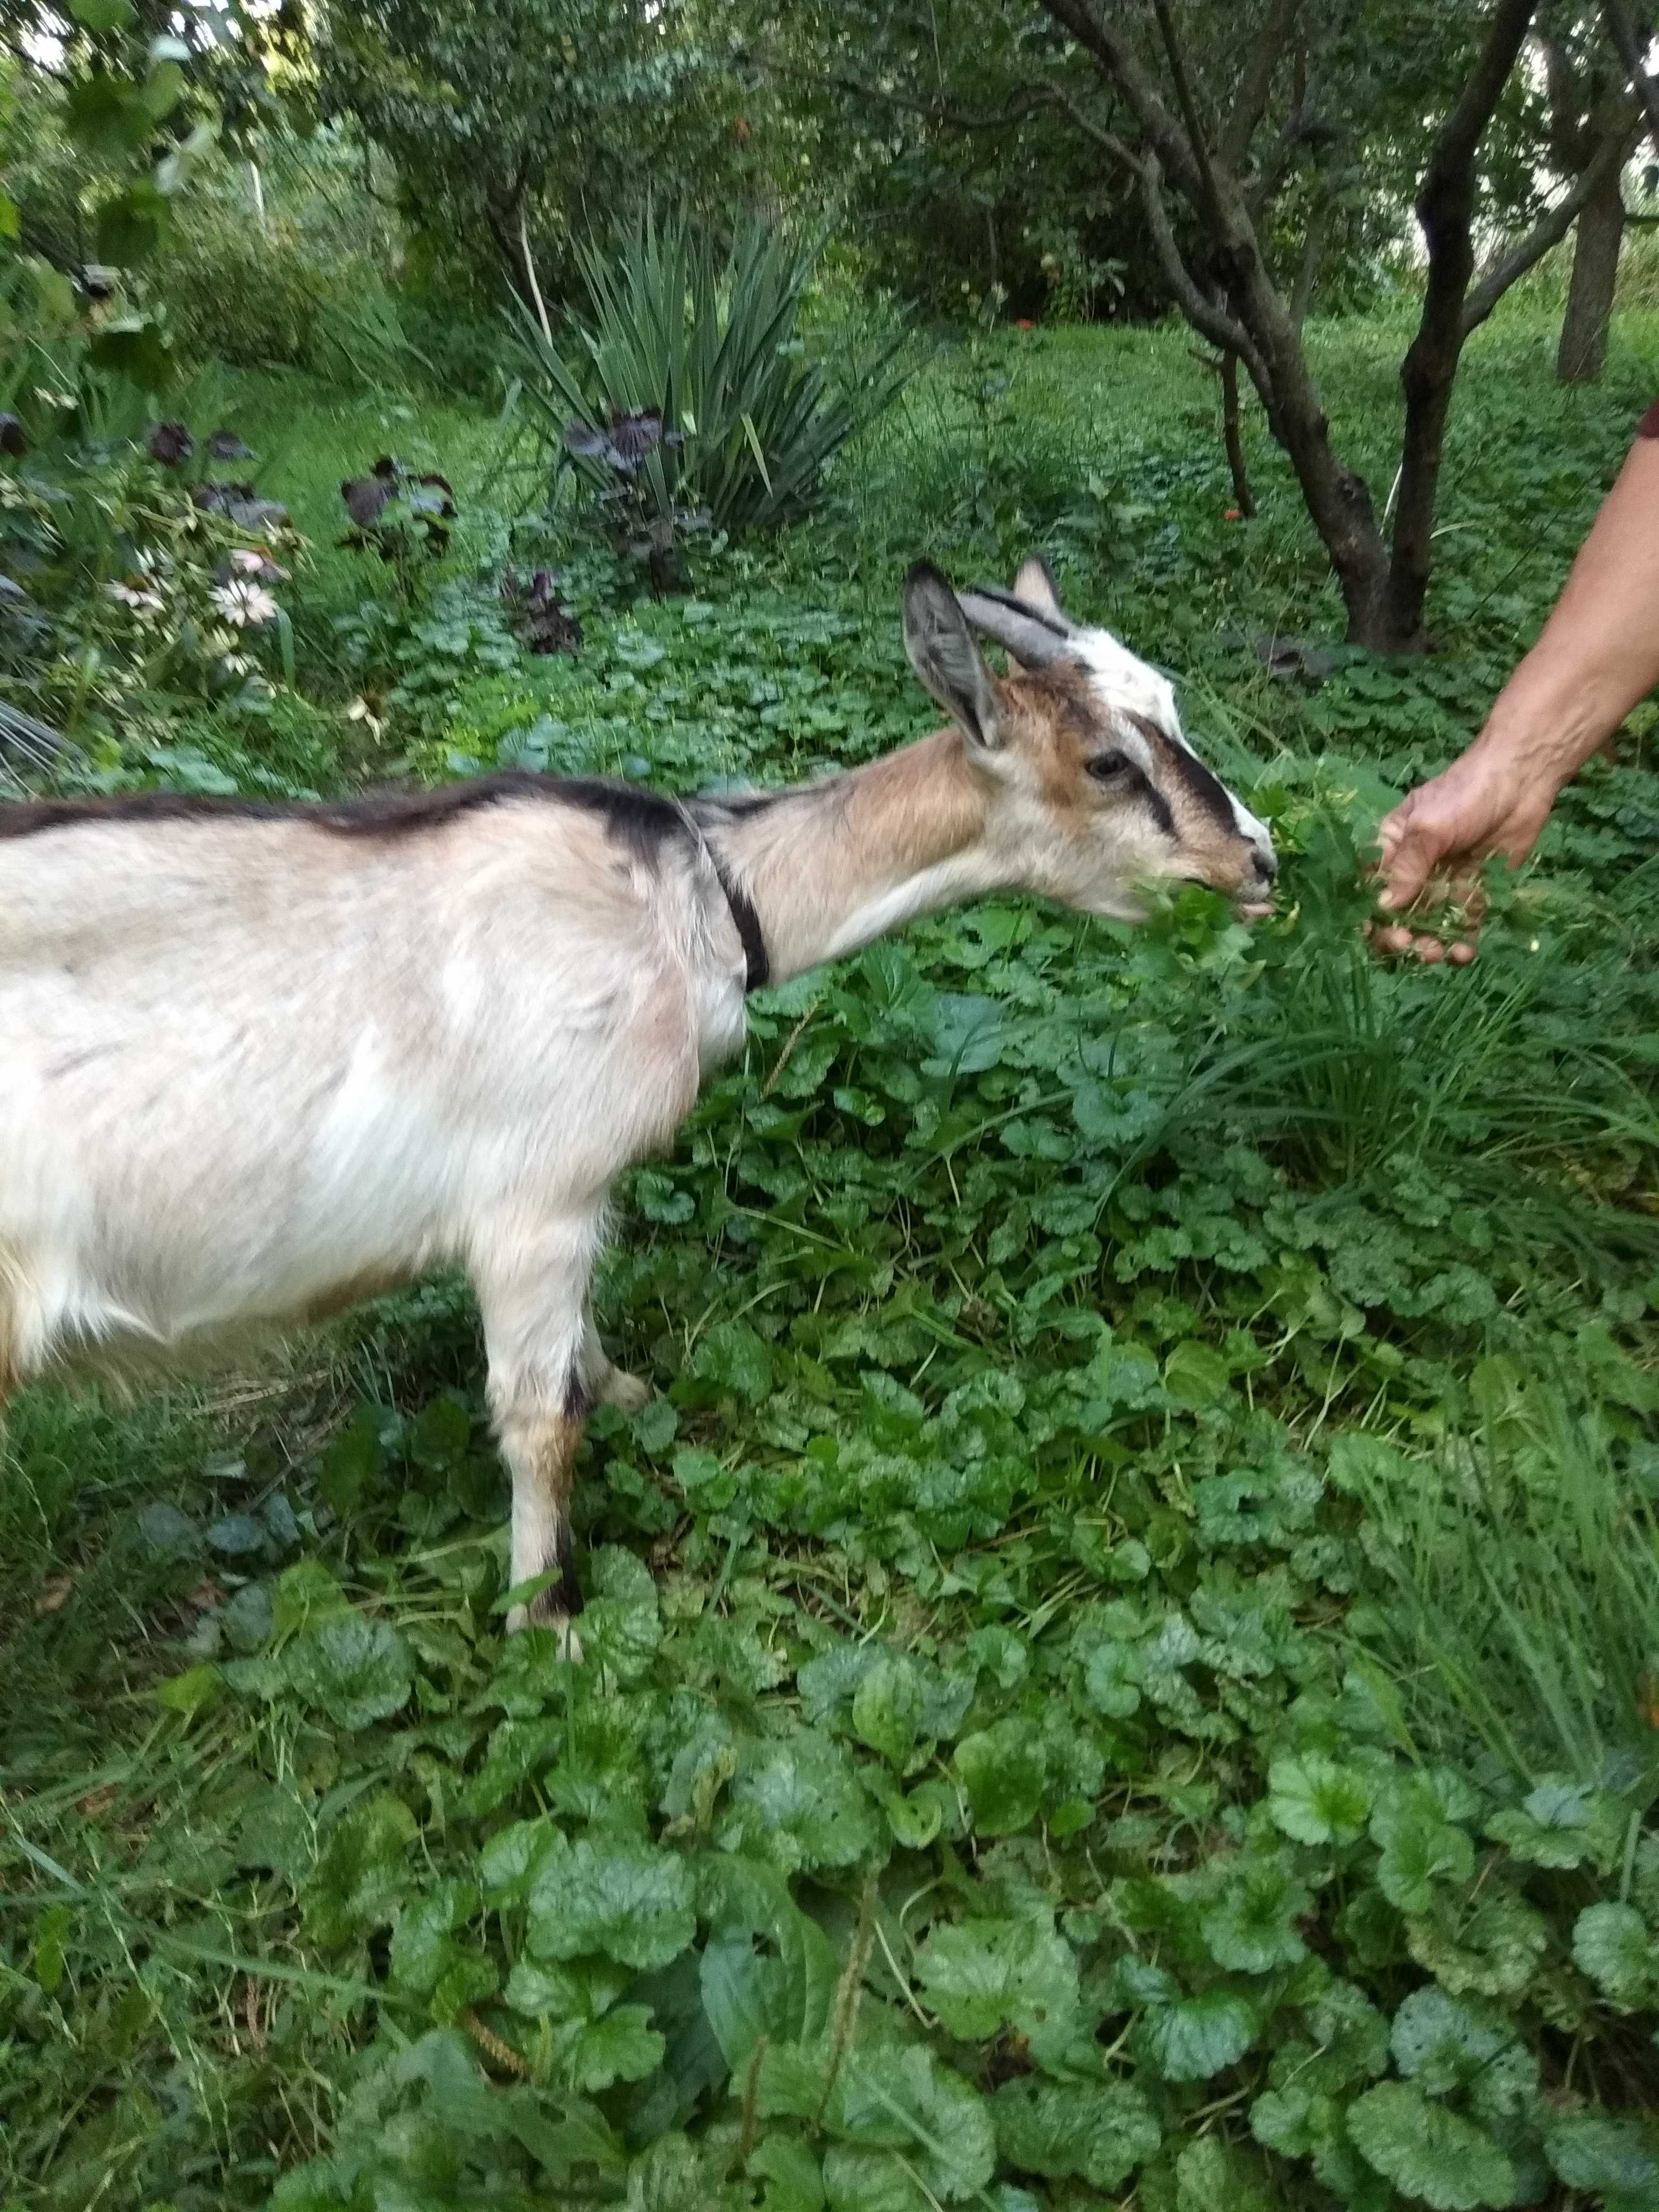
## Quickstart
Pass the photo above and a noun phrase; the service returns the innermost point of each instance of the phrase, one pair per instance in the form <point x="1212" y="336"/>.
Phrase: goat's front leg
<point x="533" y="1299"/>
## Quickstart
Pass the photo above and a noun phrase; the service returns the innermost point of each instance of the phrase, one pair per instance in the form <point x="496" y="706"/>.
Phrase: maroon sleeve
<point x="1649" y="425"/>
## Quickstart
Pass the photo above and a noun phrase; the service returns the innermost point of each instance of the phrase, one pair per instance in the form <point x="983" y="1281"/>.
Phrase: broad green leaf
<point x="358" y="1670"/>
<point x="888" y="1709"/>
<point x="799" y="1803"/>
<point x="1419" y="1852"/>
<point x="1617" y="2157"/>
<point x="1444" y="2042"/>
<point x="1100" y="2131"/>
<point x="192" y="1692"/>
<point x="1492" y="1950"/>
<point x="361" y="1879"/>
<point x="421" y="1950"/>
<point x="1428" y="2152"/>
<point x="1195" y="1375"/>
<point x="1314" y="1800"/>
<point x="1611" y="1944"/>
<point x="1002" y="1770"/>
<point x="1197" y="2037"/>
<point x="626" y="1899"/>
<point x="1251" y="1928"/>
<point x="732" y="1355"/>
<point x="980" y="1976"/>
<point x="103" y="14"/>
<point x="783" y="1992"/>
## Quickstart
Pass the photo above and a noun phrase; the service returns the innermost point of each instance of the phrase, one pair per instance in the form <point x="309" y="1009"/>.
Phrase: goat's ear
<point x="1036" y="587"/>
<point x="944" y="655"/>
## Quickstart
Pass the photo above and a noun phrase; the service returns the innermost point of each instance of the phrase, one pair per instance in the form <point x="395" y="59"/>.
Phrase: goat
<point x="260" y="1062"/>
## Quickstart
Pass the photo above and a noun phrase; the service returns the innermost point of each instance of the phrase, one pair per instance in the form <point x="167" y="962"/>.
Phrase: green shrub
<point x="707" y="342"/>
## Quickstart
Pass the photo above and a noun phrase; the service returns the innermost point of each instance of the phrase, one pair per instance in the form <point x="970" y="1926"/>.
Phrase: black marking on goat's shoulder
<point x="643" y="820"/>
<point x="1205" y="791"/>
<point x="1056" y="627"/>
<point x="577" y="1403"/>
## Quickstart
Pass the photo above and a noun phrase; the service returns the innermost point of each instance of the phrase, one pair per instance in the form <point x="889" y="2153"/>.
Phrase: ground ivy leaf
<point x="360" y="1879"/>
<point x="1002" y="1771"/>
<point x="1618" y="2157"/>
<point x="887" y="1709"/>
<point x="1100" y="2131"/>
<point x="1419" y="1850"/>
<point x="1313" y="1800"/>
<point x="1443" y="2043"/>
<point x="733" y="1357"/>
<point x="1494" y="1950"/>
<point x="1252" y="1928"/>
<point x="801" y="1804"/>
<point x="622" y="2046"/>
<point x="421" y="1946"/>
<point x="627" y="1900"/>
<point x="1427" y="2152"/>
<point x="1612" y="1945"/>
<point x="906" y="2099"/>
<point x="1197" y="2037"/>
<point x="983" y="1975"/>
<point x="358" y="1670"/>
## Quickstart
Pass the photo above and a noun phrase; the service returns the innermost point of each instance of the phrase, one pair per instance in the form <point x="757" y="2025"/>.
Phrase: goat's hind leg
<point x="533" y="1301"/>
<point x="607" y="1383"/>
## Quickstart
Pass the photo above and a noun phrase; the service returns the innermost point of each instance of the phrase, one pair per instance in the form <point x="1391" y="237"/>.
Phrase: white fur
<point x="1122" y="680"/>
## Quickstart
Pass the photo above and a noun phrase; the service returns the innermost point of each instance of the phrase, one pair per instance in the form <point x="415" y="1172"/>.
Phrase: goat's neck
<point x="830" y="867"/>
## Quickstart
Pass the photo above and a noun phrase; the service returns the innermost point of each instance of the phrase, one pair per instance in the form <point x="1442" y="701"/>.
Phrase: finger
<point x="1393" y="942"/>
<point x="1462" y="953"/>
<point x="1406" y="868"/>
<point x="1429" y="950"/>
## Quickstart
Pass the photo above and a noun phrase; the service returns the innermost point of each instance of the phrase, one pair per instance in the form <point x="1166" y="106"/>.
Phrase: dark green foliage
<point x="685" y="394"/>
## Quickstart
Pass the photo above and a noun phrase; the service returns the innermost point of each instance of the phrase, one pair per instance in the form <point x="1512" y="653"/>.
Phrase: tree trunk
<point x="1601" y="231"/>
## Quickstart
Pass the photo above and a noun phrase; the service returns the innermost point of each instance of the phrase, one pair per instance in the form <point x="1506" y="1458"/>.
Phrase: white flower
<point x="256" y="564"/>
<point x="245" y="605"/>
<point x="142" y="602"/>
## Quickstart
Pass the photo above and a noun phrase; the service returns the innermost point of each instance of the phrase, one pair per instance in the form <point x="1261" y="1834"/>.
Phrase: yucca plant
<point x="683" y="392"/>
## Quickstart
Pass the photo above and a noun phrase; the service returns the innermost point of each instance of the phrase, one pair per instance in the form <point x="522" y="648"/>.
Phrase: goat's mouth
<point x="1256" y="907"/>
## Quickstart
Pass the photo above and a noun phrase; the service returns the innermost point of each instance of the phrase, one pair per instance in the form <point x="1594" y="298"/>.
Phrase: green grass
<point x="1121" y="1654"/>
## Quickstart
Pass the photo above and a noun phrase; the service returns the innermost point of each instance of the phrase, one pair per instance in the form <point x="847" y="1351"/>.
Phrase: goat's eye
<point x="1107" y="767"/>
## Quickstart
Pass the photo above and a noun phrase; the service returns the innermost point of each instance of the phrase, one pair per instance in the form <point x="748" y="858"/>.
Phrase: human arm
<point x="1596" y="658"/>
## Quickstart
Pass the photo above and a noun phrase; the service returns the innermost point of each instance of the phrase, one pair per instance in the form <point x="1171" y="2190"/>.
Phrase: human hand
<point x="1434" y="840"/>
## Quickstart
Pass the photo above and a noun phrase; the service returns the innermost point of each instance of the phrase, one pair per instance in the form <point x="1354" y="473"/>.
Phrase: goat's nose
<point x="1266" y="862"/>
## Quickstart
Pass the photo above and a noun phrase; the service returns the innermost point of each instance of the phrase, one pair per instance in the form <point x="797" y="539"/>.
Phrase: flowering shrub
<point x="132" y="594"/>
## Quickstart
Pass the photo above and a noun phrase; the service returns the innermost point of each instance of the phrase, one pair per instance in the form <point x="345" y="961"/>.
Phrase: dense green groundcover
<point x="1122" y="1658"/>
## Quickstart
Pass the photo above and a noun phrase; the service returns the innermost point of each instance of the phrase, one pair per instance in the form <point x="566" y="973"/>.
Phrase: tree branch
<point x="1622" y="28"/>
<point x="1119" y="62"/>
<point x="1257" y="81"/>
<point x="1026" y="102"/>
<point x="1205" y="315"/>
<point x="1189" y="108"/>
<point x="1550" y="228"/>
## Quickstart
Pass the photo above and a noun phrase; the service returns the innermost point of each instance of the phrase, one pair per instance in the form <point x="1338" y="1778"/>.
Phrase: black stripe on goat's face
<point x="1083" y="748"/>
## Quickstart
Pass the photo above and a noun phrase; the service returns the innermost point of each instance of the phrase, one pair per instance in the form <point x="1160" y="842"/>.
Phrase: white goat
<point x="256" y="1063"/>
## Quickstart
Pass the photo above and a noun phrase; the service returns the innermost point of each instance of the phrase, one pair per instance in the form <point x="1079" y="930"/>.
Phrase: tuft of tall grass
<point x="706" y="341"/>
<point x="1519" y="1573"/>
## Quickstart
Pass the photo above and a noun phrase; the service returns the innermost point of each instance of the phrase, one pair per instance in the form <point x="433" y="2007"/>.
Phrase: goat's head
<point x="1093" y="790"/>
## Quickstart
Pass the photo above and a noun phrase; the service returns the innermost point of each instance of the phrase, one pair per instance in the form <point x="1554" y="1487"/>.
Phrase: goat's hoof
<point x="627" y="1392"/>
<point x="570" y="1644"/>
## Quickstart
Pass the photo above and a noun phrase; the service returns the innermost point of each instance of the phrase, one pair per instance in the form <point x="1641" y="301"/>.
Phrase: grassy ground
<point x="1107" y="1674"/>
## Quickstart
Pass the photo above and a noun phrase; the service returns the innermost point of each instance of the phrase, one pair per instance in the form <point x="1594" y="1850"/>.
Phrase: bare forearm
<point x="1598" y="654"/>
